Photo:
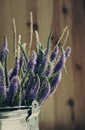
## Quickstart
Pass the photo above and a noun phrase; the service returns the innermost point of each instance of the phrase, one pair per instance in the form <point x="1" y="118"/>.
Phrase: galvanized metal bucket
<point x="20" y="119"/>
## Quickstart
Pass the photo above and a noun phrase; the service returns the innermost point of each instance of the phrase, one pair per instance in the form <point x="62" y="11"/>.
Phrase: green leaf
<point x="49" y="39"/>
<point x="24" y="78"/>
<point x="24" y="52"/>
<point x="2" y="75"/>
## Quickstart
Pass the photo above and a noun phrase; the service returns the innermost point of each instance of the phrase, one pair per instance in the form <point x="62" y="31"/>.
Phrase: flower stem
<point x="24" y="52"/>
<point x="6" y="71"/>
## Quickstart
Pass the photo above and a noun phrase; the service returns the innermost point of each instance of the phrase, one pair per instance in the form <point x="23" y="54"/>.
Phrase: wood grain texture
<point x="66" y="108"/>
<point x="12" y="9"/>
<point x="65" y="91"/>
<point x="78" y="35"/>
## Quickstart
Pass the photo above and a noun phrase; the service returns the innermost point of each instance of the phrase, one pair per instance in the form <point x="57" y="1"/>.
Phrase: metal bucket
<point x="20" y="119"/>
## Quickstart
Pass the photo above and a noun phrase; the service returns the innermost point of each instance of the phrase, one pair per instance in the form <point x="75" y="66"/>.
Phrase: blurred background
<point x="65" y="110"/>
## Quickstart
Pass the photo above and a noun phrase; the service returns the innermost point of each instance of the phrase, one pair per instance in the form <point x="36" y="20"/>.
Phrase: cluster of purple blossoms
<point x="32" y="78"/>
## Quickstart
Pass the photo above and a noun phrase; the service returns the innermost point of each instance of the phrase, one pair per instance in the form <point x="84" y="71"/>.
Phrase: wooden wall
<point x="65" y="110"/>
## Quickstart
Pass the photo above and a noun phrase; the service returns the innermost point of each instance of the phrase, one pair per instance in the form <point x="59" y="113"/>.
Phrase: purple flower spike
<point x="5" y="91"/>
<point x="4" y="50"/>
<point x="54" y="53"/>
<point x="50" y="68"/>
<point x="13" y="89"/>
<point x="3" y="96"/>
<point x="60" y="63"/>
<point x="39" y="57"/>
<point x="32" y="62"/>
<point x="55" y="82"/>
<point x="44" y="92"/>
<point x="14" y="86"/>
<point x="15" y="70"/>
<point x="48" y="71"/>
<point x="35" y="89"/>
<point x="29" y="84"/>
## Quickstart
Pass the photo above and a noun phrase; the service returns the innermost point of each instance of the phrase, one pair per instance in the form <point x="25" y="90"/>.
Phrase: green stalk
<point x="23" y="81"/>
<point x="24" y="52"/>
<point x="6" y="70"/>
<point x="65" y="69"/>
<point x="49" y="39"/>
<point x="52" y="76"/>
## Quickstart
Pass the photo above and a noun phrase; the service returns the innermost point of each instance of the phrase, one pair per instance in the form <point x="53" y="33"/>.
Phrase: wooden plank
<point x="44" y="10"/>
<point x="65" y="93"/>
<point x="78" y="31"/>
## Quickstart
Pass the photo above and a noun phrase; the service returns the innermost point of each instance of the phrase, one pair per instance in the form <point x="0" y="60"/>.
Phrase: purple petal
<point x="13" y="89"/>
<point x="55" y="82"/>
<point x="35" y="89"/>
<point x="44" y="62"/>
<point x="4" y="50"/>
<point x="15" y="70"/>
<point x="61" y="62"/>
<point x="54" y="53"/>
<point x="32" y="62"/>
<point x="50" y="68"/>
<point x="44" y="92"/>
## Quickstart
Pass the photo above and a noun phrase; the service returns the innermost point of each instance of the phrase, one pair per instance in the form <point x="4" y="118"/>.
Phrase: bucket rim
<point x="8" y="108"/>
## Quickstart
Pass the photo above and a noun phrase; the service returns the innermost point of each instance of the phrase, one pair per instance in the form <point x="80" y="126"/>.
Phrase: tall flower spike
<point x="54" y="53"/>
<point x="15" y="70"/>
<point x="44" y="91"/>
<point x="44" y="63"/>
<point x="4" y="50"/>
<point x="55" y="82"/>
<point x="32" y="62"/>
<point x="39" y="60"/>
<point x="61" y="62"/>
<point x="35" y="89"/>
<point x="49" y="69"/>
<point x="13" y="89"/>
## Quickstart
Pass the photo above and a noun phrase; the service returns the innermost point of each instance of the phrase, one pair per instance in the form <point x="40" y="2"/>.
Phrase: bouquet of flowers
<point x="33" y="76"/>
